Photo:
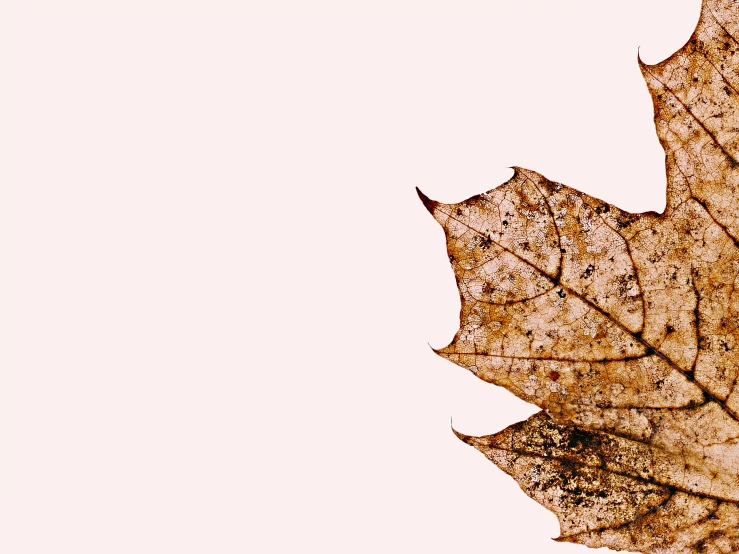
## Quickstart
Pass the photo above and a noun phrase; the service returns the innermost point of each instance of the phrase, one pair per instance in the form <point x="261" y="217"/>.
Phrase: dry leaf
<point x="623" y="328"/>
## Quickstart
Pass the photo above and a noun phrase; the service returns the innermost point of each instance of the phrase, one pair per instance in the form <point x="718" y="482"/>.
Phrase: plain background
<point x="219" y="288"/>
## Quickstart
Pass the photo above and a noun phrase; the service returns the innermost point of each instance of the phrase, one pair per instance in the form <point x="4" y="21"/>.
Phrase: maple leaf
<point x="623" y="328"/>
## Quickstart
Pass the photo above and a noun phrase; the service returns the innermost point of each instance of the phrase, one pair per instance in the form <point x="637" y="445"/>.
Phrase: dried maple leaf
<point x="623" y="328"/>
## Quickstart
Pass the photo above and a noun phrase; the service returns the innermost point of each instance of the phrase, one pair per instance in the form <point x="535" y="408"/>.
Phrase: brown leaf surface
<point x="623" y="328"/>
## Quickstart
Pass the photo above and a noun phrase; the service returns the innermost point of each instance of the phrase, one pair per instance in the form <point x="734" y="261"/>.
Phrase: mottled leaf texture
<point x="623" y="328"/>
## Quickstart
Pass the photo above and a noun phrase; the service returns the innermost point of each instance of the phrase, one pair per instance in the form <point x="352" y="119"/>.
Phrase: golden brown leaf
<point x="623" y="328"/>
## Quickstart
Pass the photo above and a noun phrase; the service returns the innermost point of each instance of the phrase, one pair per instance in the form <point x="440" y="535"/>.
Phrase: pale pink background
<point x="218" y="286"/>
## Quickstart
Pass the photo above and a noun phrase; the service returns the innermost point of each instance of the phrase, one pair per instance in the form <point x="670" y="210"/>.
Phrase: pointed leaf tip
<point x="477" y="442"/>
<point x="641" y="63"/>
<point x="435" y="350"/>
<point x="460" y="436"/>
<point x="430" y="204"/>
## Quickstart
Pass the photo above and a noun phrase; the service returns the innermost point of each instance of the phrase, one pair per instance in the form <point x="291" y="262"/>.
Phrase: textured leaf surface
<point x="623" y="328"/>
